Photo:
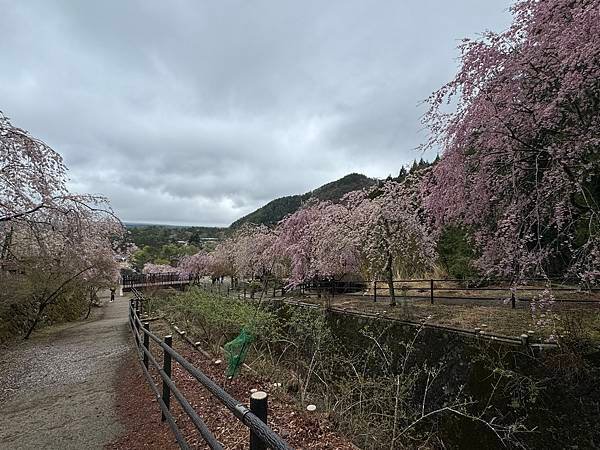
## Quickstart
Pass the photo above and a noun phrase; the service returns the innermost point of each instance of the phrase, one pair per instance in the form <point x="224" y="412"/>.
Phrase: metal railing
<point x="128" y="282"/>
<point x="255" y="418"/>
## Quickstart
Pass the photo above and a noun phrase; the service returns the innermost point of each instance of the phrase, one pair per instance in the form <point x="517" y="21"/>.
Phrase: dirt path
<point x="57" y="390"/>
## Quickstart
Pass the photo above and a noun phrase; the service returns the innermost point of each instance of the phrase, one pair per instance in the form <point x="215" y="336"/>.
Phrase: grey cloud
<point x="199" y="112"/>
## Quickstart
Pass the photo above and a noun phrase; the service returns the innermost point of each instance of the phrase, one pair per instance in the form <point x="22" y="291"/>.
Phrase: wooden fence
<point x="255" y="417"/>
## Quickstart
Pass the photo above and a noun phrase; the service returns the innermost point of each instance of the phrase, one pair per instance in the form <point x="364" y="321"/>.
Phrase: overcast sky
<point x="198" y="112"/>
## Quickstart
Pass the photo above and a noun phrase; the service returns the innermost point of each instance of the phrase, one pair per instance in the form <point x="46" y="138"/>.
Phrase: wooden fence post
<point x="258" y="405"/>
<point x="375" y="291"/>
<point x="137" y="328"/>
<point x="166" y="393"/>
<point x="431" y="281"/>
<point x="146" y="343"/>
<point x="512" y="300"/>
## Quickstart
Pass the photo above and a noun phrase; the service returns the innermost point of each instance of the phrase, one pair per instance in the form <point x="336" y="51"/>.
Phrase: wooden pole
<point x="166" y="394"/>
<point x="146" y="343"/>
<point x="431" y="283"/>
<point x="258" y="405"/>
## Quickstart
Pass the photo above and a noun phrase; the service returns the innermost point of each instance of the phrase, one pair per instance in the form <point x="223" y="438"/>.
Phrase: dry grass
<point x="492" y="316"/>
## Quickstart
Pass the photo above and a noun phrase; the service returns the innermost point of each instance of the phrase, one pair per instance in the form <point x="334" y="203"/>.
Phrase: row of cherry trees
<point x="520" y="171"/>
<point x="55" y="246"/>
<point x="374" y="233"/>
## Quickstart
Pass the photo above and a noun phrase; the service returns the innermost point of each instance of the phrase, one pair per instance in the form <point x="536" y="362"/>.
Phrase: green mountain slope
<point x="277" y="209"/>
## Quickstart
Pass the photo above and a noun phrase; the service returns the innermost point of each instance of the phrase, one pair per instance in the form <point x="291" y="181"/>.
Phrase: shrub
<point x="215" y="318"/>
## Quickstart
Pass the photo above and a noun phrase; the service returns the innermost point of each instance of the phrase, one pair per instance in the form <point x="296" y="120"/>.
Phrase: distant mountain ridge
<point x="277" y="209"/>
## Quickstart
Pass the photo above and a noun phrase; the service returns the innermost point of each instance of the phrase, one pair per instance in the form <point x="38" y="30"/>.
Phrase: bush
<point x="215" y="318"/>
<point x="456" y="252"/>
<point x="17" y="310"/>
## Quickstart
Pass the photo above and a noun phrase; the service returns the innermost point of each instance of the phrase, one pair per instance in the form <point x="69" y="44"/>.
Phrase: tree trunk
<point x="6" y="246"/>
<point x="50" y="298"/>
<point x="90" y="304"/>
<point x="390" y="280"/>
<point x="87" y="315"/>
<point x="330" y="293"/>
<point x="36" y="320"/>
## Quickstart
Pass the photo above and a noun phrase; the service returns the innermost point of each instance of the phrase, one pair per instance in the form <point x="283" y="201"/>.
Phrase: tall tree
<point x="58" y="253"/>
<point x="391" y="231"/>
<point x="252" y="255"/>
<point x="53" y="241"/>
<point x="317" y="242"/>
<point x="522" y="149"/>
<point x="33" y="178"/>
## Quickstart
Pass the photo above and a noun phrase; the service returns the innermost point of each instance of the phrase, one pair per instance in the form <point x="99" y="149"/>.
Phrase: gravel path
<point x="57" y="390"/>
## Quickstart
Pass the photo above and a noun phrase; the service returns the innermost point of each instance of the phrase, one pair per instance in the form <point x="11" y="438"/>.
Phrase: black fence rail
<point x="333" y="287"/>
<point x="449" y="291"/>
<point x="156" y="279"/>
<point x="444" y="289"/>
<point x="255" y="418"/>
<point x="241" y="289"/>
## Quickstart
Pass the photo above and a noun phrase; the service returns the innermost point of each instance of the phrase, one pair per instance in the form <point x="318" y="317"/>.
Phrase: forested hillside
<point x="157" y="235"/>
<point x="277" y="209"/>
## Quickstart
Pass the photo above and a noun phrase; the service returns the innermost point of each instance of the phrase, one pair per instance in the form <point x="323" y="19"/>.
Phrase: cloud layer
<point x="197" y="112"/>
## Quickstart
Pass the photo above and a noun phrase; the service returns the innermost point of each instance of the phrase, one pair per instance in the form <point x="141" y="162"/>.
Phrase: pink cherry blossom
<point x="521" y="150"/>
